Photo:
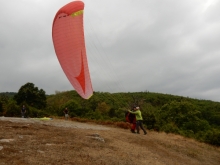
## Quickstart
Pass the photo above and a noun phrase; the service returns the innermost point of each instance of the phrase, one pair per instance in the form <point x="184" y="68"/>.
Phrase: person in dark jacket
<point x="23" y="111"/>
<point x="66" y="113"/>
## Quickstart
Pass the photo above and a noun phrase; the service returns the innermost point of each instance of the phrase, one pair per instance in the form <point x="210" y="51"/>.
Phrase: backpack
<point x="129" y="117"/>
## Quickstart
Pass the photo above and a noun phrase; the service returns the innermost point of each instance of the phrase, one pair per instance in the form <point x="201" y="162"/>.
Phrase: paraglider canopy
<point x="69" y="45"/>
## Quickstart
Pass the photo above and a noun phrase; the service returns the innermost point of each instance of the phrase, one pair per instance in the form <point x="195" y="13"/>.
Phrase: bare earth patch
<point x="60" y="142"/>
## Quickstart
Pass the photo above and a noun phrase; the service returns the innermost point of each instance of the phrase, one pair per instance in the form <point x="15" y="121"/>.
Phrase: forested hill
<point x="193" y="118"/>
<point x="8" y="94"/>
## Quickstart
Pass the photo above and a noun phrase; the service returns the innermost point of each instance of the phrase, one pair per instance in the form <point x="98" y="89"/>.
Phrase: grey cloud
<point x="161" y="46"/>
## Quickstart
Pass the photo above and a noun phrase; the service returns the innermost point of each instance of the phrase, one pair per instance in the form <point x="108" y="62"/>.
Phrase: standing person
<point x="23" y="111"/>
<point x="139" y="120"/>
<point x="66" y="113"/>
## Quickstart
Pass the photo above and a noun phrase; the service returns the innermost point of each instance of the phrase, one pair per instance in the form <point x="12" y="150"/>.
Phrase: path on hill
<point x="57" y="123"/>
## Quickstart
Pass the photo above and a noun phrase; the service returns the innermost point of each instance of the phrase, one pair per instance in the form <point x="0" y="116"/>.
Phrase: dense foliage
<point x="193" y="118"/>
<point x="31" y="95"/>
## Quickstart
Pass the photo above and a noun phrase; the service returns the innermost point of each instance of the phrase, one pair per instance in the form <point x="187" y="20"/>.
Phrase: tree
<point x="103" y="108"/>
<point x="3" y="102"/>
<point x="13" y="109"/>
<point x="1" y="109"/>
<point x="31" y="95"/>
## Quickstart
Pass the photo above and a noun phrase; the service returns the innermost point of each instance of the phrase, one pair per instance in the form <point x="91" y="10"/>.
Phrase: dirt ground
<point x="61" y="142"/>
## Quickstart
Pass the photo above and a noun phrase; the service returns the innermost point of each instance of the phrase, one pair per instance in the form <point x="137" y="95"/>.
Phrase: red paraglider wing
<point x="69" y="45"/>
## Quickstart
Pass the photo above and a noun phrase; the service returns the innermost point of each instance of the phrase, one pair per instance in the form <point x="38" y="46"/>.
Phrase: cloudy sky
<point x="164" y="46"/>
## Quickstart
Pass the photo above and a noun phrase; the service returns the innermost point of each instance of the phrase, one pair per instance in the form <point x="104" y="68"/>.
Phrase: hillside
<point x="8" y="94"/>
<point x="59" y="142"/>
<point x="192" y="118"/>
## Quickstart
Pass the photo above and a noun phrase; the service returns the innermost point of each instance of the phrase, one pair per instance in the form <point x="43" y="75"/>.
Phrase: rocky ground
<point x="61" y="142"/>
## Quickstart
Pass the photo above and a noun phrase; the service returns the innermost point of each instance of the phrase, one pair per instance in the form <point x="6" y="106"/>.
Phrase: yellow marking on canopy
<point x="80" y="12"/>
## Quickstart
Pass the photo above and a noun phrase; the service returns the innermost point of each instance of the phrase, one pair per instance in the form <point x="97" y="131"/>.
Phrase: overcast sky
<point x="163" y="46"/>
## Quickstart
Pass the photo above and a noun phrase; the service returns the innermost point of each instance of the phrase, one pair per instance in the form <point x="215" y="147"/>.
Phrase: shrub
<point x="213" y="137"/>
<point x="170" y="128"/>
<point x="12" y="109"/>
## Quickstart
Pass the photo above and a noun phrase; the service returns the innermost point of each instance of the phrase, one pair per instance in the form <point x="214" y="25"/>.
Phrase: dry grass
<point x="45" y="143"/>
<point x="124" y="125"/>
